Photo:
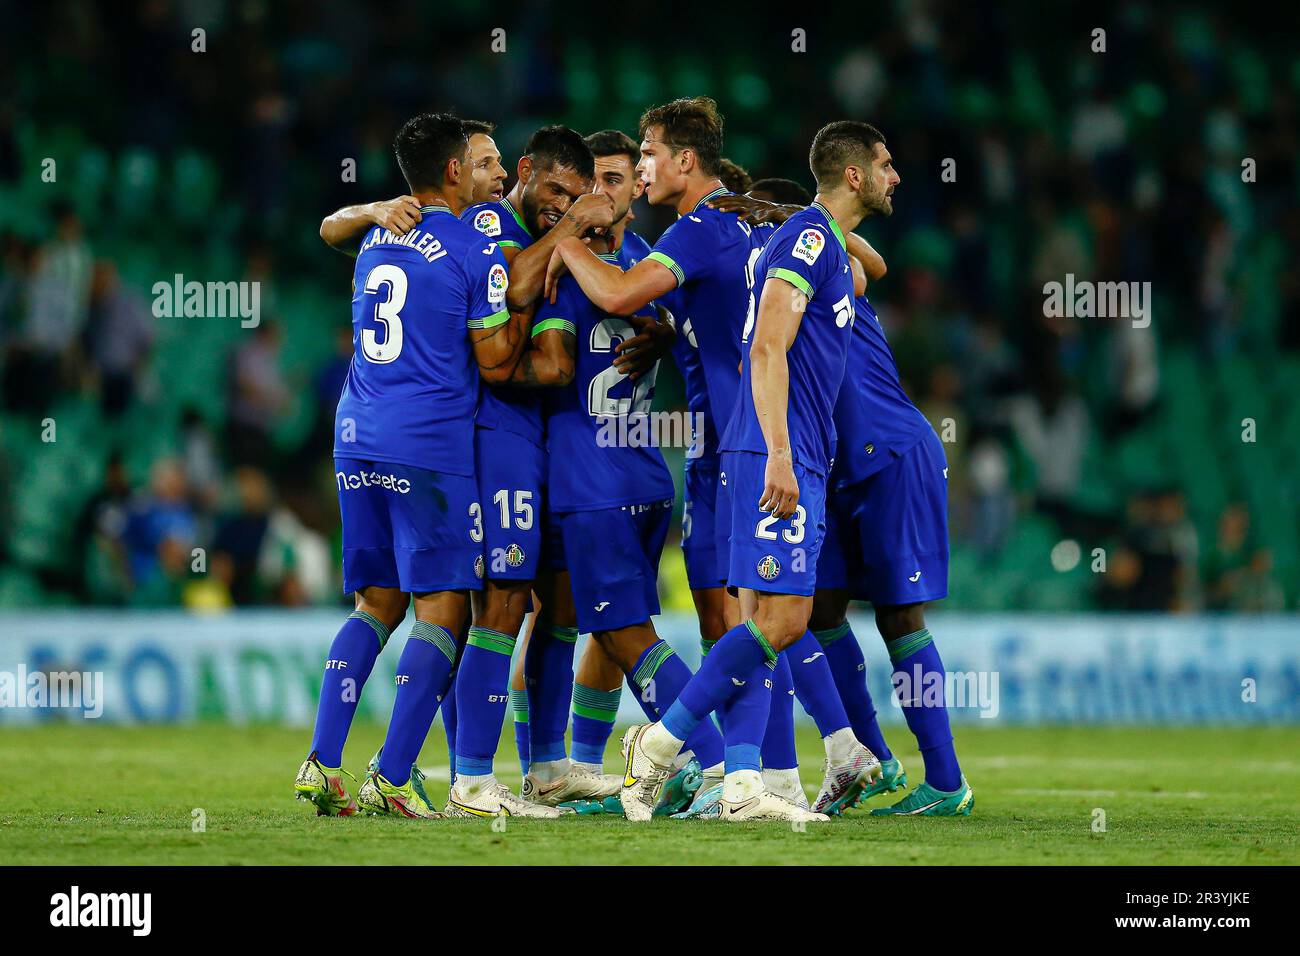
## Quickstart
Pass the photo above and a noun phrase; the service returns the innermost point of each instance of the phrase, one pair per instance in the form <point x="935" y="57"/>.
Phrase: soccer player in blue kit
<point x="777" y="453"/>
<point x="887" y="543"/>
<point x="706" y="259"/>
<point x="430" y="320"/>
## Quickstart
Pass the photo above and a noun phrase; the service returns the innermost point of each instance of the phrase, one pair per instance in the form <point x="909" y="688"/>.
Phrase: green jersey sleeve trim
<point x="564" y="325"/>
<point x="664" y="260"/>
<point x="508" y="243"/>
<point x="489" y="321"/>
<point x="794" y="278"/>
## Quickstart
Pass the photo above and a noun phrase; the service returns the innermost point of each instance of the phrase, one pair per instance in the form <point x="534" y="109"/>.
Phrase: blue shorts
<point x="766" y="554"/>
<point x="407" y="528"/>
<point x="700" y="545"/>
<point x="614" y="563"/>
<point x="511" y="485"/>
<point x="887" y="536"/>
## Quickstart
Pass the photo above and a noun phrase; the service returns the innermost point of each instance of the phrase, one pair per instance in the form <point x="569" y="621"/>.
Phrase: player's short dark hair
<point x="425" y="143"/>
<point x="478" y="128"/>
<point x="734" y="176"/>
<point x="553" y="146"/>
<point x="783" y="192"/>
<point x="841" y="144"/>
<point x="614" y="142"/>
<point x="691" y="123"/>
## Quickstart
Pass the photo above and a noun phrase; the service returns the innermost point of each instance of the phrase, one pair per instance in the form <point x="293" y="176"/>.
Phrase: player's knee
<point x="384" y="604"/>
<point x="782" y="622"/>
<point x="897" y="620"/>
<point x="828" y="611"/>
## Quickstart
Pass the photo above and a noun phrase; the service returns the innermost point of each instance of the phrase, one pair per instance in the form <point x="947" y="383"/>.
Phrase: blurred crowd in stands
<point x="1123" y="165"/>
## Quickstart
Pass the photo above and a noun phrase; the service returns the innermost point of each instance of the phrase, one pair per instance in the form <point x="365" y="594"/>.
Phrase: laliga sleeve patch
<point x="809" y="245"/>
<point x="488" y="223"/>
<point x="496" y="284"/>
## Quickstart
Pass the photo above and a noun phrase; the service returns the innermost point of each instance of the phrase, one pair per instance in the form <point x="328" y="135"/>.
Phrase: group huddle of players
<point x="496" y="338"/>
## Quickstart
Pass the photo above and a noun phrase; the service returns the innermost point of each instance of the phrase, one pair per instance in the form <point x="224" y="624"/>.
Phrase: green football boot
<point x="378" y="797"/>
<point x="679" y="790"/>
<point x="892" y="778"/>
<point x="323" y="787"/>
<point x="417" y="776"/>
<point x="926" y="801"/>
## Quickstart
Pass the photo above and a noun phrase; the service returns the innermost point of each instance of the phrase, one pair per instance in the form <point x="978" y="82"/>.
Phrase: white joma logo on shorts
<point x="916" y="577"/>
<point x="602" y="605"/>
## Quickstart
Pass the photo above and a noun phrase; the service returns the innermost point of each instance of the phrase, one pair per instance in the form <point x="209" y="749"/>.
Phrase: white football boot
<point x="578" y="784"/>
<point x="643" y="777"/>
<point x="843" y="781"/>
<point x="495" y="800"/>
<point x="767" y="806"/>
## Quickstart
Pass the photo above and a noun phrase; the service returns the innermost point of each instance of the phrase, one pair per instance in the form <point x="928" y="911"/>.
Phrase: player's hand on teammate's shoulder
<point x="753" y="211"/>
<point x="780" y="487"/>
<point x="398" y="215"/>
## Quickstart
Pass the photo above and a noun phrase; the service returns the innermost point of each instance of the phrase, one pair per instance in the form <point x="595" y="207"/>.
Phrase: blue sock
<point x="745" y="715"/>
<point x="730" y="663"/>
<point x="519" y="704"/>
<point x="449" y="725"/>
<point x="594" y="712"/>
<point x="917" y="666"/>
<point x="778" y="740"/>
<point x="659" y="677"/>
<point x="351" y="658"/>
<point x="849" y="668"/>
<point x="548" y="671"/>
<point x="423" y="676"/>
<point x="815" y="686"/>
<point x="482" y="681"/>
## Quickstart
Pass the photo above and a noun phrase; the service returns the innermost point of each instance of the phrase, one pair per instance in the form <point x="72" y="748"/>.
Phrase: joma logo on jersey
<point x="808" y="246"/>
<point x="488" y="223"/>
<point x="769" y="567"/>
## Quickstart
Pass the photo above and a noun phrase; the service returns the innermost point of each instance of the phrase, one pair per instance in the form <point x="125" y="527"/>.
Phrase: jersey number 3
<point x="387" y="314"/>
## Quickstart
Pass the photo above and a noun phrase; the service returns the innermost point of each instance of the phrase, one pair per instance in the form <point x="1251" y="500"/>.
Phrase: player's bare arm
<point x="780" y="311"/>
<point x="754" y="211"/>
<point x="342" y="227"/>
<point x="550" y="360"/>
<point x="610" y="288"/>
<point x="498" y="349"/>
<point x="861" y="251"/>
<point x="528" y="267"/>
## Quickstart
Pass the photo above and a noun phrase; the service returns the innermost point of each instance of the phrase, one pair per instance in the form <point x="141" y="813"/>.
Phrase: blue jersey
<point x="516" y="410"/>
<point x="712" y="255"/>
<point x="413" y="384"/>
<point x="875" y="420"/>
<point x="808" y="252"/>
<point x="598" y="434"/>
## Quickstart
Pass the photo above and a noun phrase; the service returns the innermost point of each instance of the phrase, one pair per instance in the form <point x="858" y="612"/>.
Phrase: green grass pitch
<point x="129" y="795"/>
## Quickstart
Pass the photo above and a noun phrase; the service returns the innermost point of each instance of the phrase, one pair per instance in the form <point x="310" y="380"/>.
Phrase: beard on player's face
<point x="874" y="196"/>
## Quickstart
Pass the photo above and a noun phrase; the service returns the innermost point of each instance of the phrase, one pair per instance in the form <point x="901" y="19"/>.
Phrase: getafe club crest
<point x="478" y="566"/>
<point x="514" y="555"/>
<point x="769" y="567"/>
